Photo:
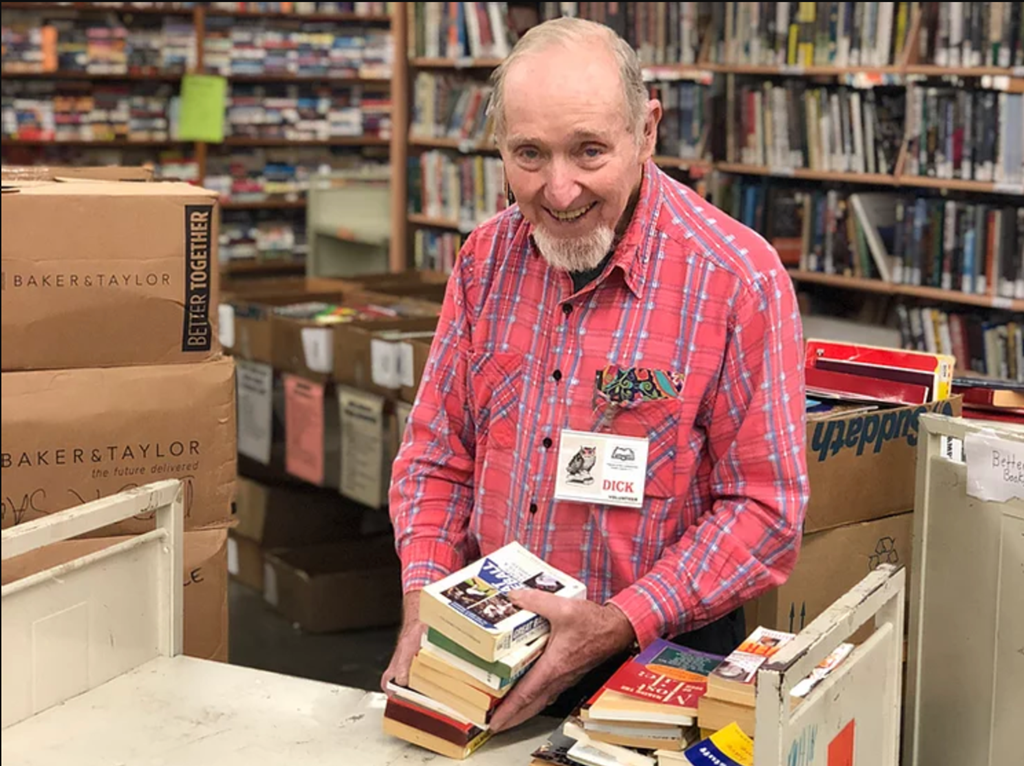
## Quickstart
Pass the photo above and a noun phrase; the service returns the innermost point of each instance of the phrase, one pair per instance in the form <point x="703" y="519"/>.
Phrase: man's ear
<point x="651" y="122"/>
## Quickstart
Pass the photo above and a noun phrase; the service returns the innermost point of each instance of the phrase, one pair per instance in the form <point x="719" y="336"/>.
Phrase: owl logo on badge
<point x="579" y="467"/>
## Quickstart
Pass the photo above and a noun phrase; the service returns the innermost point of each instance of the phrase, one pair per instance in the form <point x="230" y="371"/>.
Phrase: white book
<point x="471" y="607"/>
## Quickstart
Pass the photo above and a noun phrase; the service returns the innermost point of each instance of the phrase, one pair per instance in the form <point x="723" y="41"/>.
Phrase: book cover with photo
<point x="471" y="607"/>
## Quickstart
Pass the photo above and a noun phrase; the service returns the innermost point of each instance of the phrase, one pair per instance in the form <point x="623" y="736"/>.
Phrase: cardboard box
<point x="108" y="274"/>
<point x="24" y="173"/>
<point x="334" y="587"/>
<point x="205" y="579"/>
<point x="862" y="467"/>
<point x="382" y="358"/>
<point x="426" y="285"/>
<point x="245" y="561"/>
<point x="280" y="516"/>
<point x="831" y="563"/>
<point x="78" y="435"/>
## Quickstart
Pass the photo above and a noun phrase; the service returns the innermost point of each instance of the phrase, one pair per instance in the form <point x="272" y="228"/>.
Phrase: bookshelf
<point x="199" y="155"/>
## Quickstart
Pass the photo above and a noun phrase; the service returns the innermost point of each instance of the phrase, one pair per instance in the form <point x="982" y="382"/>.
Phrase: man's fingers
<point x="547" y="605"/>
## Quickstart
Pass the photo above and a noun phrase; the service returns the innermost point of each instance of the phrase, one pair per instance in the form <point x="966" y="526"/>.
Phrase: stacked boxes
<point x="113" y="375"/>
<point x="322" y="367"/>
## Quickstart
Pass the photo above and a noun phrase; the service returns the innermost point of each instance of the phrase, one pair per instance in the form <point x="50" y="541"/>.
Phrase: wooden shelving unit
<point x="240" y="268"/>
<point x="438" y="223"/>
<point x="423" y="62"/>
<point x="339" y="141"/>
<point x="115" y="144"/>
<point x="94" y="77"/>
<point x="94" y="8"/>
<point x="889" y="288"/>
<point x="270" y="204"/>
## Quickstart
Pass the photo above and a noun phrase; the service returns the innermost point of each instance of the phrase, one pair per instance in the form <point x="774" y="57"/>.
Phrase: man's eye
<point x="528" y="153"/>
<point x="592" y="152"/>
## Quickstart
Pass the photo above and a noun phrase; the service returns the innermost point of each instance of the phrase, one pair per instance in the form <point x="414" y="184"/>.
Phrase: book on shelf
<point x="685" y="123"/>
<point x="459" y="30"/>
<point x="463" y="190"/>
<point x="811" y="34"/>
<point x="972" y="34"/>
<point x="965" y="134"/>
<point x="735" y="679"/>
<point x="661" y="33"/>
<point x="981" y="343"/>
<point x="450" y="106"/>
<point x="790" y="125"/>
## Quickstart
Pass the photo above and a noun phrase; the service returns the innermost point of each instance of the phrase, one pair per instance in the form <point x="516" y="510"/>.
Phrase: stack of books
<point x="478" y="644"/>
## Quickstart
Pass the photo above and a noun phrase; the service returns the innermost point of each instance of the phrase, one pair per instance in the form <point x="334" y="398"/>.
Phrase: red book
<point x="823" y="382"/>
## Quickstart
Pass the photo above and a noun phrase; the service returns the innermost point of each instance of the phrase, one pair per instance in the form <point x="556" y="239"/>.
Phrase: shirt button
<point x="547" y="442"/>
<point x="567" y="308"/>
<point x="557" y="375"/>
<point x="533" y="507"/>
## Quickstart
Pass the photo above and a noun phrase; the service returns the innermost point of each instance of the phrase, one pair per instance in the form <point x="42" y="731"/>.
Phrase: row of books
<point x="435" y="250"/>
<point x="91" y="46"/>
<point x="261" y="235"/>
<point x="446" y="106"/>
<point x="90" y="112"/>
<point x="468" y="190"/>
<point x="459" y="30"/>
<point x="295" y="48"/>
<point x="683" y="131"/>
<point x="972" y="34"/>
<point x="982" y="344"/>
<point x="301" y="113"/>
<point x="811" y="34"/>
<point x="284" y="173"/>
<point x="661" y="33"/>
<point x="968" y="135"/>
<point x="788" y="125"/>
<point x="302" y="8"/>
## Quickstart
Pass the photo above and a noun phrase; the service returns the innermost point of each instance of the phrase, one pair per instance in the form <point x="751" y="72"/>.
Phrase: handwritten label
<point x="255" y="382"/>
<point x="464" y="62"/>
<point x="1004" y="188"/>
<point x="406" y="373"/>
<point x="781" y="171"/>
<point x="1018" y="71"/>
<point x="270" y="584"/>
<point x="999" y="302"/>
<point x="226" y="325"/>
<point x="232" y="557"/>
<point x="318" y="347"/>
<point x="384" y="363"/>
<point x="995" y="467"/>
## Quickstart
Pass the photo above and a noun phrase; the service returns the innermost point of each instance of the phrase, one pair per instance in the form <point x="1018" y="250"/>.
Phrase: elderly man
<point x="610" y="309"/>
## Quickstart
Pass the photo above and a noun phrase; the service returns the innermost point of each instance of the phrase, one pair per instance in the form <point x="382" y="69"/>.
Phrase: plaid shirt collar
<point x="639" y="242"/>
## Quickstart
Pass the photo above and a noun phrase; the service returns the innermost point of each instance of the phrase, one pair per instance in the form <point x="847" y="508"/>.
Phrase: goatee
<point x="577" y="253"/>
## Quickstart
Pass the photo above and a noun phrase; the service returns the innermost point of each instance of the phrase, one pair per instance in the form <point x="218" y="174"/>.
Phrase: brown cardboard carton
<point x="204" y="577"/>
<point x="862" y="467"/>
<point x="381" y="357"/>
<point x="71" y="436"/>
<point x="99" y="274"/>
<point x="426" y="285"/>
<point x="830" y="563"/>
<point x="287" y="516"/>
<point x="334" y="587"/>
<point x="245" y="561"/>
<point x="23" y="173"/>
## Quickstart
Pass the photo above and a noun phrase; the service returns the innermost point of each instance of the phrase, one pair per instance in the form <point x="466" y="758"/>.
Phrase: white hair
<point x="567" y="31"/>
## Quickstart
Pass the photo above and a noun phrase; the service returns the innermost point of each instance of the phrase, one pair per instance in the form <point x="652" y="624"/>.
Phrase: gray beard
<point x="578" y="254"/>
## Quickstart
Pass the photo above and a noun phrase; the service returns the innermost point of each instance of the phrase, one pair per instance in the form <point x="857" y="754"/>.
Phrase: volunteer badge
<point x="601" y="468"/>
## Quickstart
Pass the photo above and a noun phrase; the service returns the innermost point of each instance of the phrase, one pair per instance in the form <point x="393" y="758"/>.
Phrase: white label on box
<point x="318" y="346"/>
<point x="233" y="557"/>
<point x="406" y="373"/>
<point x="384" y="363"/>
<point x="269" y="584"/>
<point x="226" y="325"/>
<point x="362" y="446"/>
<point x="995" y="467"/>
<point x="255" y="410"/>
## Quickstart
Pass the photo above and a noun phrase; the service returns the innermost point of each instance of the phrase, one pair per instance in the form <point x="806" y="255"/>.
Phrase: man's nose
<point x="562" y="187"/>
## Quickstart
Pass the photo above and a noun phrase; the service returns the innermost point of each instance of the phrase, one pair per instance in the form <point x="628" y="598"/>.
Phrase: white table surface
<point x="185" y="712"/>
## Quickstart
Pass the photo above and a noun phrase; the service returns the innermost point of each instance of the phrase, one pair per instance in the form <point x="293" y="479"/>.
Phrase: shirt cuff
<point x="644" y="613"/>
<point x="427" y="561"/>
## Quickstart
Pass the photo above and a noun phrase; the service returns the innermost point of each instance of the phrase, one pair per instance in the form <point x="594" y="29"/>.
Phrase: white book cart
<point x="965" y="660"/>
<point x="93" y="672"/>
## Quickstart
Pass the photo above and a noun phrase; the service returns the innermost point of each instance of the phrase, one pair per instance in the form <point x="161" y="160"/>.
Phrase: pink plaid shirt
<point x="514" y="361"/>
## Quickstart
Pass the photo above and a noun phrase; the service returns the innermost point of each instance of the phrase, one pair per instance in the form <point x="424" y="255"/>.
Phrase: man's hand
<point x="408" y="643"/>
<point x="583" y="635"/>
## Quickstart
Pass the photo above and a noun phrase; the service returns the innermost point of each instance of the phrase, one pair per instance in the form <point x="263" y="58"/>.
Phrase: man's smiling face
<point x="570" y="150"/>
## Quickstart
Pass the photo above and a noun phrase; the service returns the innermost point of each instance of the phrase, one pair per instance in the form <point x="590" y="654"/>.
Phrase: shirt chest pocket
<point x="497" y="383"/>
<point x="658" y="421"/>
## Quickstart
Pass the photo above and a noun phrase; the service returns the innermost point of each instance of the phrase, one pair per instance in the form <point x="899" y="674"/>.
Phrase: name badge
<point x="601" y="468"/>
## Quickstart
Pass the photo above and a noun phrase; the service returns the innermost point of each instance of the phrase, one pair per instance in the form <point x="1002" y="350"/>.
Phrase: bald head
<point x="571" y="58"/>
